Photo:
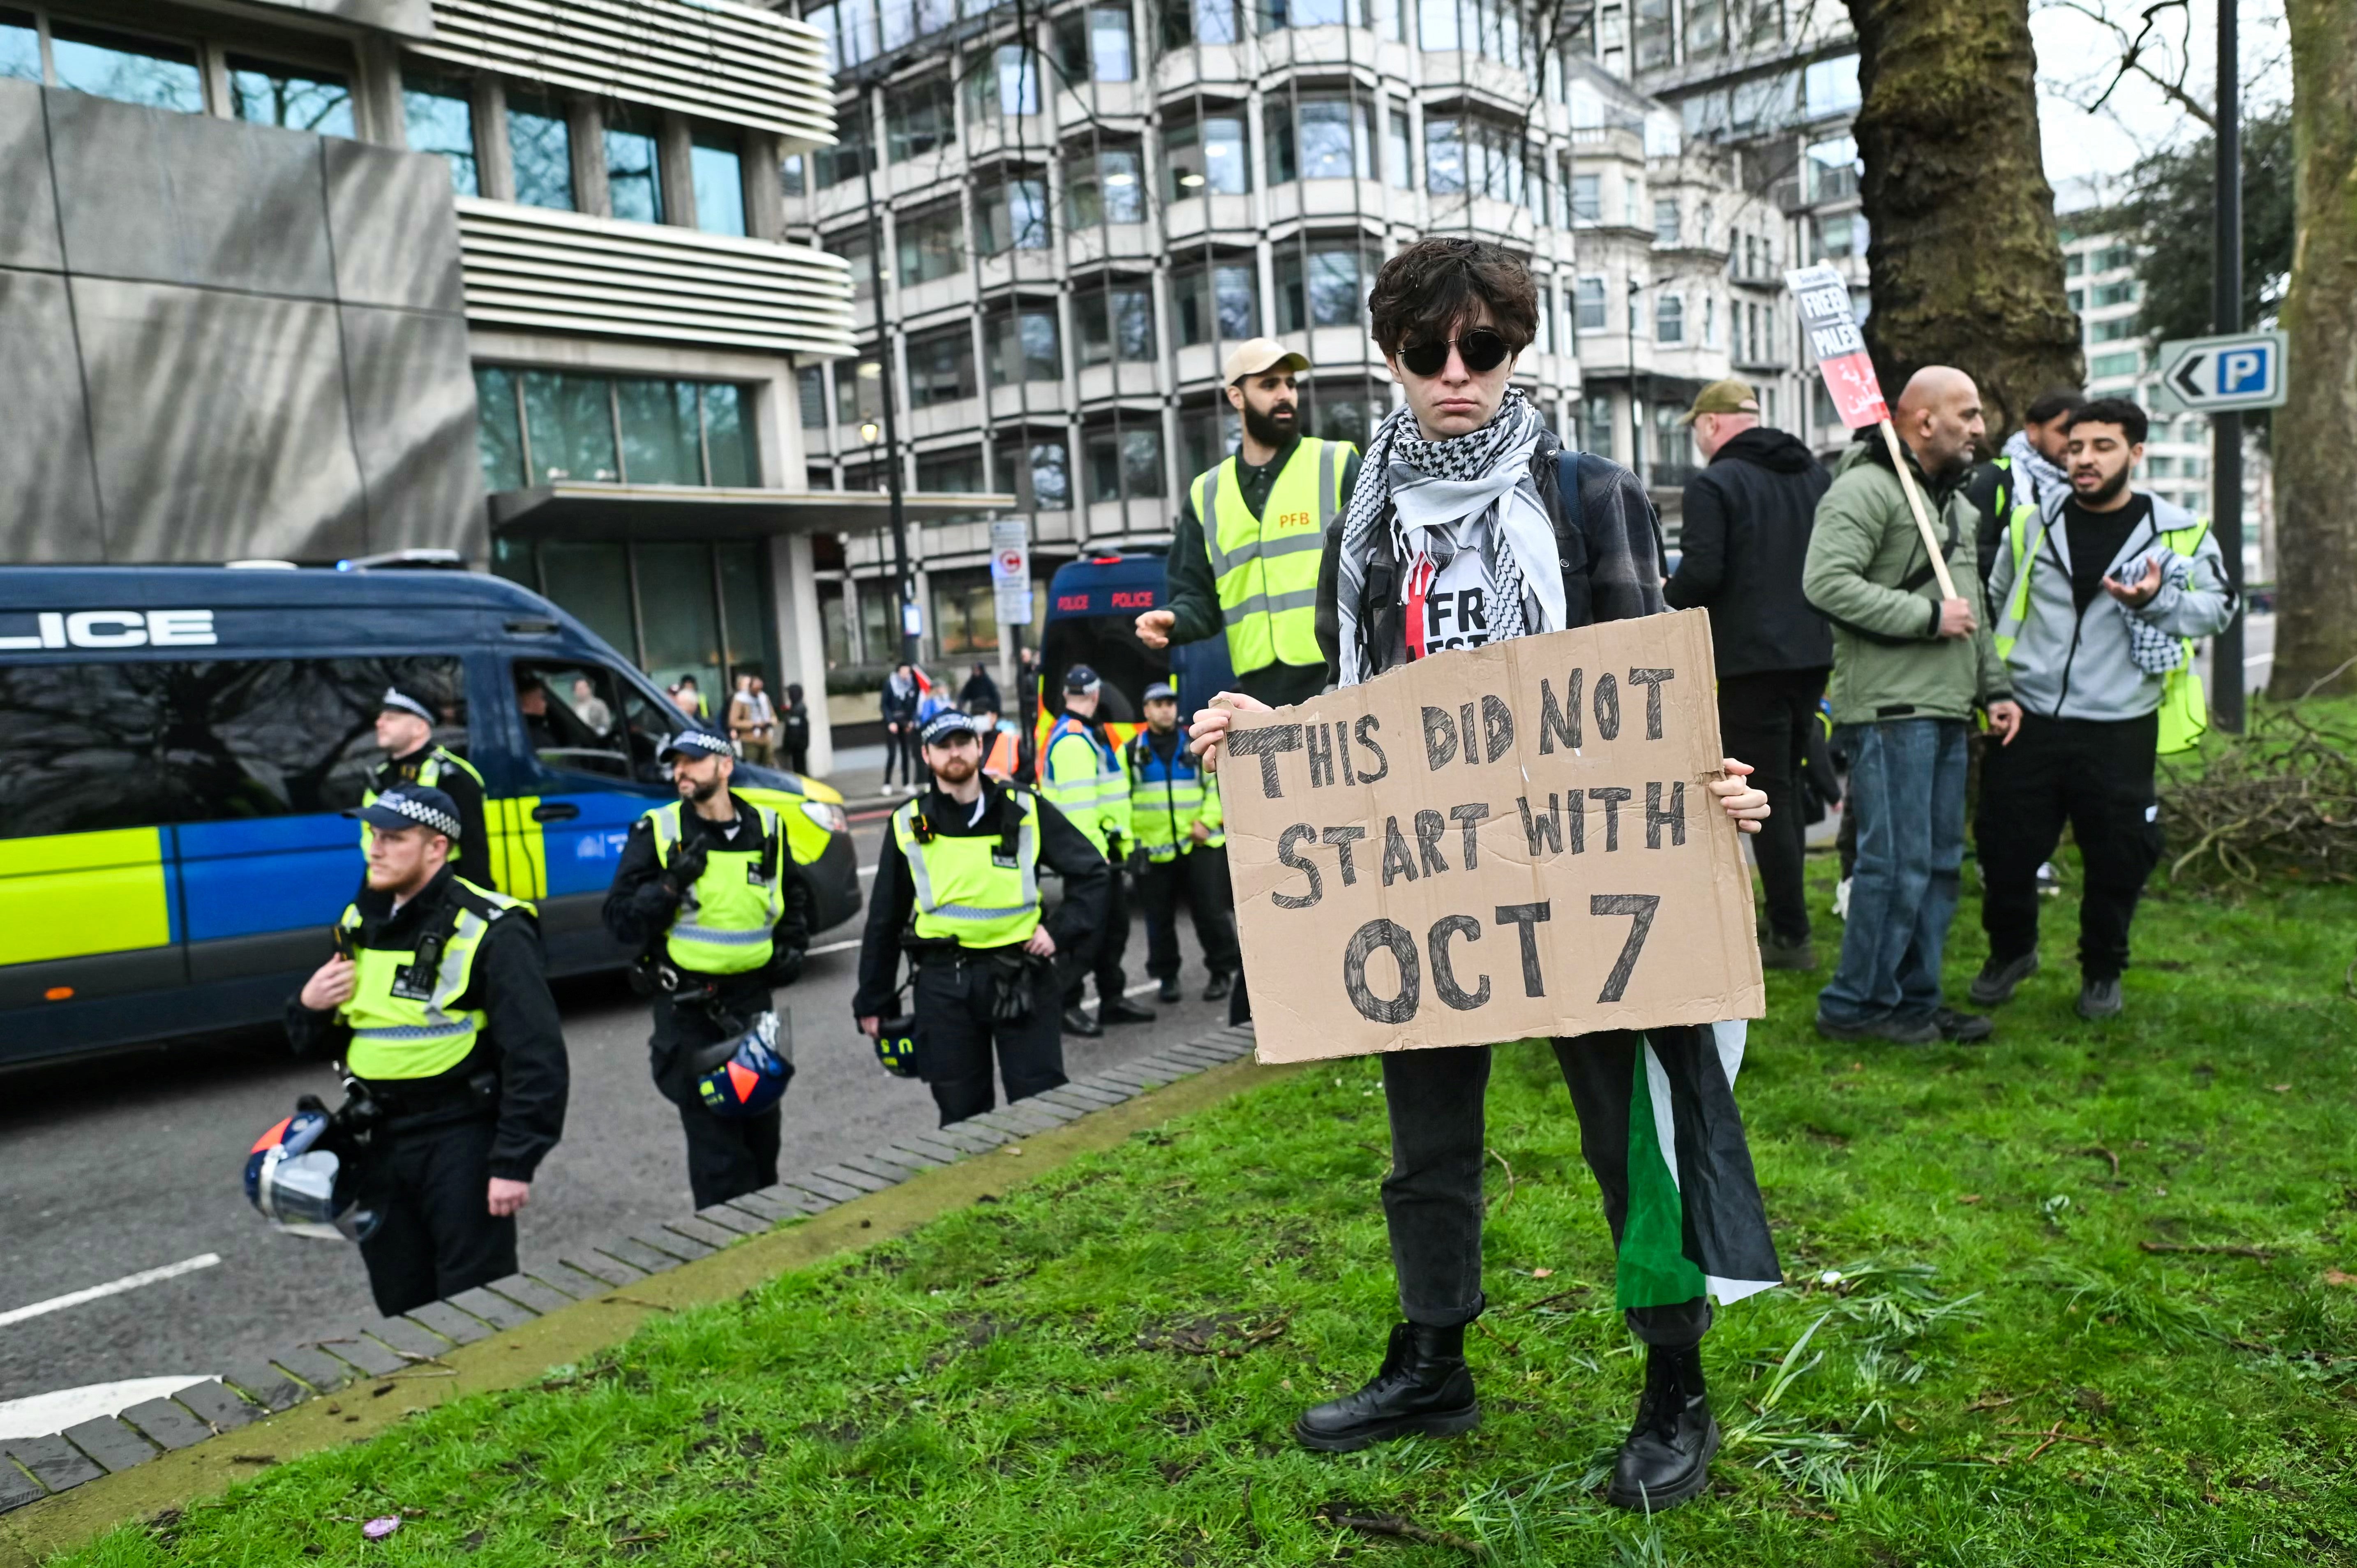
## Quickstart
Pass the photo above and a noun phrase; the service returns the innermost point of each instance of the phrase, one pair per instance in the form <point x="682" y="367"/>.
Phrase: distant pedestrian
<point x="687" y="697"/>
<point x="980" y="692"/>
<point x="751" y="720"/>
<point x="2101" y="590"/>
<point x="795" y="730"/>
<point x="899" y="699"/>
<point x="1749" y="515"/>
<point x="590" y="708"/>
<point x="1909" y="667"/>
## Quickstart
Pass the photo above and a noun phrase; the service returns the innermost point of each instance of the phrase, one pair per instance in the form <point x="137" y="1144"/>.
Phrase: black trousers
<point x="1201" y="877"/>
<point x="798" y="756"/>
<point x="1432" y="1197"/>
<point x="1103" y="956"/>
<point x="953" y="994"/>
<point x="727" y="1157"/>
<point x="2097" y="776"/>
<point x="437" y="1236"/>
<point x="1765" y="720"/>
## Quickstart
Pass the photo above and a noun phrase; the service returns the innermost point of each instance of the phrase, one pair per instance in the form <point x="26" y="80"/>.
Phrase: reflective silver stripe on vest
<point x="1271" y="603"/>
<point x="721" y="939"/>
<point x="1208" y="514"/>
<point x="1326" y="460"/>
<point x="1264" y="549"/>
<point x="406" y="1032"/>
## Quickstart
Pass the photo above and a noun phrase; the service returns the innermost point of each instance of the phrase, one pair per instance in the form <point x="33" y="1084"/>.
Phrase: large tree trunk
<point x="2315" y="441"/>
<point x="1966" y="265"/>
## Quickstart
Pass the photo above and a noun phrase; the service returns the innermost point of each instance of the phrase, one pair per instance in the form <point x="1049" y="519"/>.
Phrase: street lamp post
<point x="2226" y="429"/>
<point x="1636" y="416"/>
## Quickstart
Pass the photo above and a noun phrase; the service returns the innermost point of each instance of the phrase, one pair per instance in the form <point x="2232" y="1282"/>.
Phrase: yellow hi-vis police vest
<point x="725" y="923"/>
<point x="969" y="889"/>
<point x="2184" y="706"/>
<point x="1167" y="798"/>
<point x="1267" y="566"/>
<point x="401" y="1009"/>
<point x="1085" y="777"/>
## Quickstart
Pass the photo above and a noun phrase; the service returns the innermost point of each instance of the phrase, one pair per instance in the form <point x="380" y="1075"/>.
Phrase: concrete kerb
<point x="278" y="1416"/>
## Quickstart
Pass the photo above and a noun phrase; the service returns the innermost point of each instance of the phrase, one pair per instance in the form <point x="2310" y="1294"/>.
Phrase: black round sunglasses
<point x="1480" y="348"/>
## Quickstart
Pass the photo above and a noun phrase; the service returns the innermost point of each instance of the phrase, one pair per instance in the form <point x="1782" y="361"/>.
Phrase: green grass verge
<point x="1100" y="1368"/>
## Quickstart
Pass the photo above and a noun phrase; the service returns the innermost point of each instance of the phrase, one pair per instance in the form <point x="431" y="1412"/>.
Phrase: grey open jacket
<point x="2072" y="665"/>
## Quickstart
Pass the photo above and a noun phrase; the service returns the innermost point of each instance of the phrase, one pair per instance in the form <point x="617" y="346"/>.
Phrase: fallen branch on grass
<point x="2278" y="801"/>
<point x="2105" y="1154"/>
<point x="2224" y="1249"/>
<point x="1399" y="1529"/>
<point x="1510" y="1181"/>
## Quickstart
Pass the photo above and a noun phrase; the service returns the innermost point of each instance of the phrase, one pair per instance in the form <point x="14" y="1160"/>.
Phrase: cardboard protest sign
<point x="1491" y="843"/>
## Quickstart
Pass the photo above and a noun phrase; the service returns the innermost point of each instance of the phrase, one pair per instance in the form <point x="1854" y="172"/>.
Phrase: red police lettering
<point x="1136" y="599"/>
<point x="1071" y="601"/>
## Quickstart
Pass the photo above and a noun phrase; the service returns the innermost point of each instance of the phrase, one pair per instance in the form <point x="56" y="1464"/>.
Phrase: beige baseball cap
<point x="1255" y="356"/>
<point x="1729" y="396"/>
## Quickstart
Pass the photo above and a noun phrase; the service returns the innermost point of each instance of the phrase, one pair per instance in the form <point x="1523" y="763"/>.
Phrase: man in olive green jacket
<point x="1908" y="668"/>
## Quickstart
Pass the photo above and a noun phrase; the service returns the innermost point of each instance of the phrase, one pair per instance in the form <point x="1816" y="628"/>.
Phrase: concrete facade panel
<point x="394" y="228"/>
<point x="52" y="512"/>
<point x="161" y="197"/>
<point x="412" y="401"/>
<point x="29" y="237"/>
<point x="223" y="425"/>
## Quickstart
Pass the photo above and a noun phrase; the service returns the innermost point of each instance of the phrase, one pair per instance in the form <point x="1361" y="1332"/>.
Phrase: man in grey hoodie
<point x="2100" y="593"/>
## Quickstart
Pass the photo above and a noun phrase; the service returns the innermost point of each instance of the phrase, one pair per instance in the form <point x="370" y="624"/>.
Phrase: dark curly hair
<point x="1436" y="286"/>
<point x="2116" y="411"/>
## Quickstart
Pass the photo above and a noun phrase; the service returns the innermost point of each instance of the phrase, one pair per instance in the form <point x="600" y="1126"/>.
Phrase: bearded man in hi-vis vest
<point x="1244" y="558"/>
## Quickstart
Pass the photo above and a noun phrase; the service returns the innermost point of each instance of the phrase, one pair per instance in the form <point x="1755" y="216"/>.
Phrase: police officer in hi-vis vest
<point x="1244" y="558"/>
<point x="957" y="885"/>
<point x="706" y="891"/>
<point x="1174" y="810"/>
<point x="437" y="1009"/>
<point x="1083" y="774"/>
<point x="404" y="728"/>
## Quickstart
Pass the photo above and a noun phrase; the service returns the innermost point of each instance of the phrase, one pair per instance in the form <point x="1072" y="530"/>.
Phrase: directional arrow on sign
<point x="2218" y="375"/>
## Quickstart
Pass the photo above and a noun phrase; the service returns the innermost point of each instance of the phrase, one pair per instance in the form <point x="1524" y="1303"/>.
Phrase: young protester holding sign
<point x="1461" y="534"/>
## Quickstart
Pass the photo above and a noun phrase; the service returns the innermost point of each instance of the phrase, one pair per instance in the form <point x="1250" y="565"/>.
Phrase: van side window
<point x="582" y="717"/>
<point x="86" y="747"/>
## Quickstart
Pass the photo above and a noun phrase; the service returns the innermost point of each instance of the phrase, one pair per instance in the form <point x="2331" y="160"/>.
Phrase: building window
<point x="540" y="148"/>
<point x="1116" y="323"/>
<point x="1207" y="158"/>
<point x="1588" y="307"/>
<point x="1021" y="345"/>
<point x="919" y="117"/>
<point x="1013" y="216"/>
<point x="1038" y="472"/>
<point x="1475" y="156"/>
<point x="1435" y="25"/>
<point x="1588" y="199"/>
<point x="1665" y="222"/>
<point x="1710" y="321"/>
<point x="1327" y="288"/>
<point x="791" y="177"/>
<point x="718" y="169"/>
<point x="1188" y="21"/>
<point x="941" y="366"/>
<point x="1596" y="423"/>
<point x="1207" y="436"/>
<point x="931" y="243"/>
<point x="957" y="472"/>
<point x="128" y="69"/>
<point x="1705" y="29"/>
<point x="1006" y="81"/>
<point x="2123" y="292"/>
<point x="20" y="48"/>
<point x="1652" y="19"/>
<point x="634" y="172"/>
<point x="1669" y="320"/>
<point x="809" y="396"/>
<point x="858" y="392"/>
<point x="1094" y="44"/>
<point x="441" y="120"/>
<point x="2112" y="331"/>
<point x="2102" y="367"/>
<point x="1833" y="236"/>
<point x="1218" y="302"/>
<point x="301" y="100"/>
<point x="1338" y="416"/>
<point x="848" y="158"/>
<point x="1399" y="162"/>
<point x="1124" y="464"/>
<point x="852" y="246"/>
<point x="1104" y="186"/>
<point x="1319" y="138"/>
<point x="604" y="428"/>
<point x="2074" y="264"/>
<point x="1830" y="87"/>
<point x="965" y="606"/>
<point x="1831" y="168"/>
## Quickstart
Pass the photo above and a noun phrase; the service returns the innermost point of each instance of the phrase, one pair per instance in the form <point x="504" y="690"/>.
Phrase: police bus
<point x="177" y="745"/>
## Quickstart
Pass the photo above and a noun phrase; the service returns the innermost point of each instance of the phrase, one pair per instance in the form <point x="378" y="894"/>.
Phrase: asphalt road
<point x="134" y="1163"/>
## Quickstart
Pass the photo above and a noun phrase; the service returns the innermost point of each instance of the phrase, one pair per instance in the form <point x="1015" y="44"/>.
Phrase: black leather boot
<point x="1424" y="1387"/>
<point x="1666" y="1460"/>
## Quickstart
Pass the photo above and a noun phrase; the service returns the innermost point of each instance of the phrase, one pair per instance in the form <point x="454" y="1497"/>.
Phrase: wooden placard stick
<point x="1922" y="517"/>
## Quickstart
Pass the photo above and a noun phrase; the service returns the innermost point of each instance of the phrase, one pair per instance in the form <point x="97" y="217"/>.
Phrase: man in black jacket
<point x="465" y="1063"/>
<point x="1747" y="516"/>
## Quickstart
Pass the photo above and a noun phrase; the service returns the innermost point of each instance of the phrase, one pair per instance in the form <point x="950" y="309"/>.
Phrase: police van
<point x="177" y="745"/>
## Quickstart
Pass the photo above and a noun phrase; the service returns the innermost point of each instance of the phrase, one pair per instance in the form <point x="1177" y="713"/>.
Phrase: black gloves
<point x="686" y="866"/>
<point x="785" y="966"/>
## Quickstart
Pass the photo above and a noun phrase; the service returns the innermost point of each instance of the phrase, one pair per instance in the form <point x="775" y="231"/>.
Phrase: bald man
<point x="1909" y="669"/>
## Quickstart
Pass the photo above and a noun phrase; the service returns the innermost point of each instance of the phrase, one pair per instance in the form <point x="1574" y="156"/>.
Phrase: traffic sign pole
<point x="2226" y="429"/>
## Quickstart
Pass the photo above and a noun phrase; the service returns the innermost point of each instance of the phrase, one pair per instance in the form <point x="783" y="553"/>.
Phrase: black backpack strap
<point x="1568" y="466"/>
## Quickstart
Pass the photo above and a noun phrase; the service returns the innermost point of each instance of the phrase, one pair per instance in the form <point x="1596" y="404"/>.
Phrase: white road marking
<point x="832" y="947"/>
<point x="37" y="1415"/>
<point x="112" y="1287"/>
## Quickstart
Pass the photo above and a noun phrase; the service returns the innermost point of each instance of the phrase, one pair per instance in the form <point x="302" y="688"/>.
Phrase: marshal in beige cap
<point x="1257" y="356"/>
<point x="1729" y="396"/>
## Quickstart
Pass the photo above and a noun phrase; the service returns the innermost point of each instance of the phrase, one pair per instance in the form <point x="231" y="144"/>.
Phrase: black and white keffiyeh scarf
<point x="1427" y="487"/>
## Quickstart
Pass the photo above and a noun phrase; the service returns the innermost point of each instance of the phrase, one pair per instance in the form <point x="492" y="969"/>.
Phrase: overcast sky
<point x="2077" y="55"/>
